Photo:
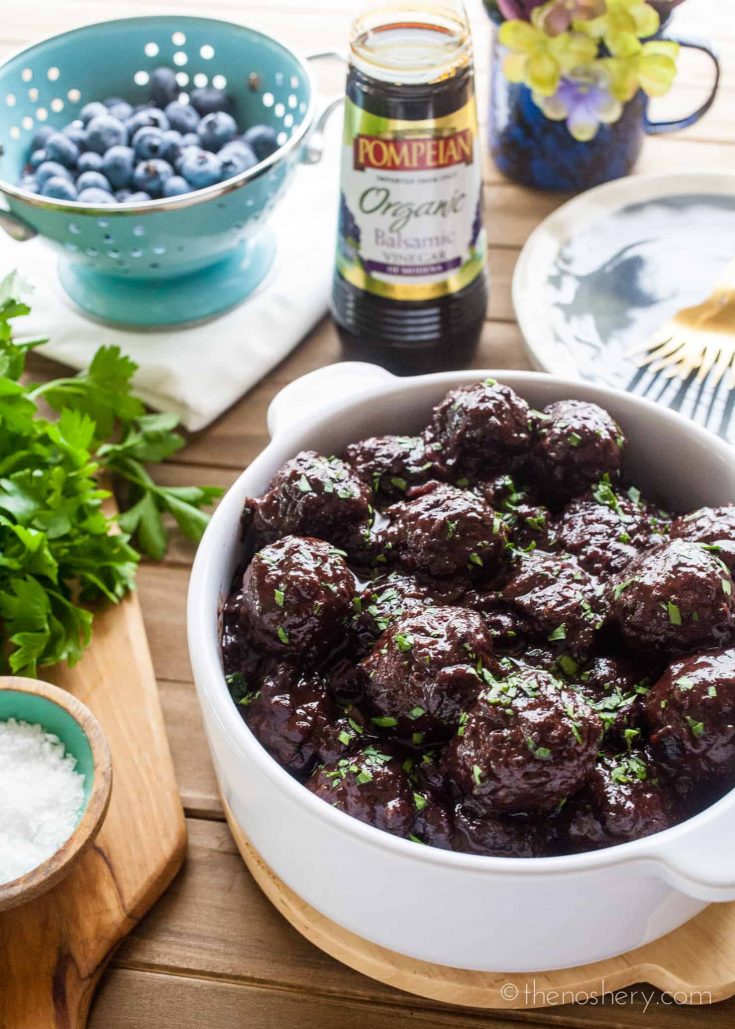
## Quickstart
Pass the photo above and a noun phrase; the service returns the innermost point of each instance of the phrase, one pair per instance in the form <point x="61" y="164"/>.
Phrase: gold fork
<point x="699" y="338"/>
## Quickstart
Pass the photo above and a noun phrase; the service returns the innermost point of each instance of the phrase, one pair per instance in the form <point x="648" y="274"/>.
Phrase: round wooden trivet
<point x="695" y="964"/>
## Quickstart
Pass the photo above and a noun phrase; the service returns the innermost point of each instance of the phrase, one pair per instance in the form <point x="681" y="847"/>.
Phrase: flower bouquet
<point x="584" y="59"/>
<point x="583" y="66"/>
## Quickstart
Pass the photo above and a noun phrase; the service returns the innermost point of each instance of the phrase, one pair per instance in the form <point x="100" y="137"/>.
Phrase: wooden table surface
<point x="213" y="952"/>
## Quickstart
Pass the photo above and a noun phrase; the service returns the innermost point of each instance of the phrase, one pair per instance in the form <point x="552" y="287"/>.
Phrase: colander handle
<point x="314" y="148"/>
<point x="15" y="227"/>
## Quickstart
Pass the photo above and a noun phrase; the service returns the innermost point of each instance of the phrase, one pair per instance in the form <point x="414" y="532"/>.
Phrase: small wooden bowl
<point x="60" y="713"/>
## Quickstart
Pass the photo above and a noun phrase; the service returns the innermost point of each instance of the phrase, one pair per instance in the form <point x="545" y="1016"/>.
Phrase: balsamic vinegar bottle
<point x="410" y="285"/>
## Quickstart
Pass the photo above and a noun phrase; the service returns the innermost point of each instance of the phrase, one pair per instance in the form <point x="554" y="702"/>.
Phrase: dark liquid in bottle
<point x="412" y="322"/>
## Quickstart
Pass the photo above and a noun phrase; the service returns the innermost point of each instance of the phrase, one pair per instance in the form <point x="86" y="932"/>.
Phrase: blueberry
<point x="200" y="168"/>
<point x="89" y="162"/>
<point x="59" y="187"/>
<point x="176" y="186"/>
<point x="171" y="149"/>
<point x="118" y="164"/>
<point x="61" y="149"/>
<point x="93" y="180"/>
<point x="183" y="117"/>
<point x="91" y="110"/>
<point x="236" y="157"/>
<point x="151" y="175"/>
<point x="208" y="99"/>
<point x="77" y="134"/>
<point x="37" y="157"/>
<point x="95" y="196"/>
<point x="118" y="108"/>
<point x="147" y="116"/>
<point x="190" y="139"/>
<point x="49" y="169"/>
<point x="164" y="87"/>
<point x="147" y="143"/>
<point x="29" y="182"/>
<point x="262" y="140"/>
<point x="105" y="131"/>
<point x="216" y="129"/>
<point x="139" y="196"/>
<point x="39" y="137"/>
<point x="122" y="195"/>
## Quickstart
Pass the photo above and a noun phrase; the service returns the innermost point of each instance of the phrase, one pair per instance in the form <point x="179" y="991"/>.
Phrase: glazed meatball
<point x="342" y="734"/>
<point x="287" y="715"/>
<point x="623" y="800"/>
<point x="480" y="832"/>
<point x="371" y="785"/>
<point x="481" y="428"/>
<point x="606" y="529"/>
<point x="422" y="671"/>
<point x="673" y="598"/>
<point x="434" y="822"/>
<point x="312" y="495"/>
<point x="557" y="599"/>
<point x="714" y="526"/>
<point x="615" y="688"/>
<point x="444" y="531"/>
<point x="529" y="523"/>
<point x="526" y="744"/>
<point x="297" y="597"/>
<point x="391" y="596"/>
<point x="691" y="716"/>
<point x="575" y="446"/>
<point x="392" y="464"/>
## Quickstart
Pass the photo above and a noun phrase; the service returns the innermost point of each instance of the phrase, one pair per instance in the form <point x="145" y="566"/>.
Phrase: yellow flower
<point x="539" y="60"/>
<point x="648" y="66"/>
<point x="623" y="18"/>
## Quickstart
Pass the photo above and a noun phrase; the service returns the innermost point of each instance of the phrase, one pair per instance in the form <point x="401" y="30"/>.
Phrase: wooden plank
<point x="214" y="923"/>
<point x="192" y="763"/>
<point x="177" y="1002"/>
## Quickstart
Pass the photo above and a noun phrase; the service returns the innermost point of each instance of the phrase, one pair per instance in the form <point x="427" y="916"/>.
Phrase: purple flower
<point x="584" y="101"/>
<point x="518" y="8"/>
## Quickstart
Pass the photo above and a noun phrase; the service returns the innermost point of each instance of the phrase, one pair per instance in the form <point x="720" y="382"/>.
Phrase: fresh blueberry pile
<point x="115" y="152"/>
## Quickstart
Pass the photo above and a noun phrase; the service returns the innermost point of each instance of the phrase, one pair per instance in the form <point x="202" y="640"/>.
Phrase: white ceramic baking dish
<point x="467" y="911"/>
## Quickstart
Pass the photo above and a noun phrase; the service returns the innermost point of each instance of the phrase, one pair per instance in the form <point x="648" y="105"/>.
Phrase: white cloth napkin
<point x="199" y="372"/>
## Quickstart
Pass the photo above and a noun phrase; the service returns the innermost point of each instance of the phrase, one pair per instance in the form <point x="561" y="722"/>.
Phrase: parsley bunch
<point x="60" y="551"/>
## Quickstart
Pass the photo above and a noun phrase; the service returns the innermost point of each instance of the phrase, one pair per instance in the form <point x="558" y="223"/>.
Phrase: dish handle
<point x="313" y="392"/>
<point x="700" y="862"/>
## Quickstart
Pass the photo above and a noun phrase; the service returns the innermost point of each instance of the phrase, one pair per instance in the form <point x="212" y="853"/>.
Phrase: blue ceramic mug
<point x="536" y="151"/>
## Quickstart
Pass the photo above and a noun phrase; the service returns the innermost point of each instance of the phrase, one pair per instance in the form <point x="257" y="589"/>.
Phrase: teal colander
<point x="174" y="260"/>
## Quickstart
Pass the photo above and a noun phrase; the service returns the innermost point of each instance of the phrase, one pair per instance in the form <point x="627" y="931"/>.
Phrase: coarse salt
<point x="41" y="797"/>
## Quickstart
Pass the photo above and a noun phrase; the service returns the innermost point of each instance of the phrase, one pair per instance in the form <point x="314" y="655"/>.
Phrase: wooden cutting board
<point x="54" y="949"/>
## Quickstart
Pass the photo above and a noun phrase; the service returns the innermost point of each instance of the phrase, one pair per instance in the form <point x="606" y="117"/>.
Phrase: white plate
<point x="606" y="269"/>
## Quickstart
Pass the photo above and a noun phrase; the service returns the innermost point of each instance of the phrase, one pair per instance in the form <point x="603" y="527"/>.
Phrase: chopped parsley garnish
<point x="279" y="597"/>
<point x="559" y="633"/>
<point x="574" y="439"/>
<point x="477" y="775"/>
<point x="399" y="483"/>
<point x="416" y="712"/>
<point x="567" y="664"/>
<point x="304" y="485"/>
<point x="696" y="728"/>
<point x="674" y="613"/>
<point x="630" y="769"/>
<point x="403" y="642"/>
<point x="420" y="801"/>
<point x="451" y="529"/>
<point x="542" y="753"/>
<point x="475" y="559"/>
<point x="282" y="634"/>
<point x="384" y="722"/>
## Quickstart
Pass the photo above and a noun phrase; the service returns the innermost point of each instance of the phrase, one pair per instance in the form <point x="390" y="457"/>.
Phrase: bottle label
<point x="410" y="217"/>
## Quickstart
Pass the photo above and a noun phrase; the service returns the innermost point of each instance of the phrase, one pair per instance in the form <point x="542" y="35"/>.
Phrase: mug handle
<point x="655" y="128"/>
